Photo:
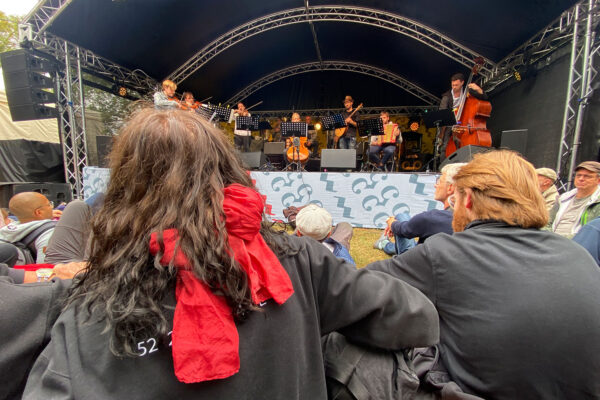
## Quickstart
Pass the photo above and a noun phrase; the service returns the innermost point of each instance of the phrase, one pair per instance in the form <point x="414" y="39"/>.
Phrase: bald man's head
<point x="30" y="206"/>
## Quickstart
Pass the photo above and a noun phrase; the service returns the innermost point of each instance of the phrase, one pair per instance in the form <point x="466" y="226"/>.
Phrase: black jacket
<point x="280" y="348"/>
<point x="519" y="310"/>
<point x="27" y="313"/>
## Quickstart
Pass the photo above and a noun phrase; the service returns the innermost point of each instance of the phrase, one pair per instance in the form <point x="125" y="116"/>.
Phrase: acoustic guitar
<point x="339" y="132"/>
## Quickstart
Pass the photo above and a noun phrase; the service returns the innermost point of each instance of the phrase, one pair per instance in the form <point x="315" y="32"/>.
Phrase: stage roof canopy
<point x="356" y="45"/>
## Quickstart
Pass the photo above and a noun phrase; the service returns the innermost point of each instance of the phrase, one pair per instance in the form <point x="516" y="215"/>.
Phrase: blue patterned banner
<point x="362" y="199"/>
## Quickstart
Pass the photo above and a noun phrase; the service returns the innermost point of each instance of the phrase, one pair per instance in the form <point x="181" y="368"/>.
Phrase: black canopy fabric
<point x="158" y="36"/>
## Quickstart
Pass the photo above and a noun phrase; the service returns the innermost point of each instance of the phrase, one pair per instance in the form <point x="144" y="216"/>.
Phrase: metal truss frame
<point x="318" y="113"/>
<point x="583" y="71"/>
<point x="360" y="15"/>
<point x="72" y="59"/>
<point x="71" y="113"/>
<point x="360" y="68"/>
<point x="552" y="37"/>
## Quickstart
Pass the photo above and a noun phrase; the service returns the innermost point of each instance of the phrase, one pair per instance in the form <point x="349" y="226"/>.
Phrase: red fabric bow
<point x="205" y="338"/>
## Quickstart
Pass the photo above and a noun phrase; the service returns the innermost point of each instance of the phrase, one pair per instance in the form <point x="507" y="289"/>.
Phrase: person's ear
<point x="449" y="189"/>
<point x="468" y="199"/>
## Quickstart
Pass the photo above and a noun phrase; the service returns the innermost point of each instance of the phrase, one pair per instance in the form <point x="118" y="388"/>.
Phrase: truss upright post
<point x="574" y="88"/>
<point x="71" y="109"/>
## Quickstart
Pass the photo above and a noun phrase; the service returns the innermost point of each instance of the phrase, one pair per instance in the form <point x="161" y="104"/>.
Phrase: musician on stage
<point x="242" y="138"/>
<point x="166" y="99"/>
<point x="312" y="143"/>
<point x="188" y="102"/>
<point x="451" y="99"/>
<point x="385" y="143"/>
<point x="348" y="139"/>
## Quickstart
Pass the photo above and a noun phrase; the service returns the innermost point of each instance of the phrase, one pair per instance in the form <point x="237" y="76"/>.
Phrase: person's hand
<point x="475" y="87"/>
<point x="387" y="232"/>
<point x="348" y="120"/>
<point x="69" y="270"/>
<point x="56" y="214"/>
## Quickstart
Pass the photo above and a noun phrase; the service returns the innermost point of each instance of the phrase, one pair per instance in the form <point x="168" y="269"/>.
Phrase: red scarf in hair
<point x="205" y="339"/>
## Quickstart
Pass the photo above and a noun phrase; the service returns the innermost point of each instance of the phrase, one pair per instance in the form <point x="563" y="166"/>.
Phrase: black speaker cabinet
<point x="56" y="192"/>
<point x="338" y="159"/>
<point x="464" y="155"/>
<point x="274" y="148"/>
<point x="253" y="160"/>
<point x="30" y="85"/>
<point x="514" y="140"/>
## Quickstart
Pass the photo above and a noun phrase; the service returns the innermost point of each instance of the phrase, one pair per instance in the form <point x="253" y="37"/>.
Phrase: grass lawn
<point x="361" y="246"/>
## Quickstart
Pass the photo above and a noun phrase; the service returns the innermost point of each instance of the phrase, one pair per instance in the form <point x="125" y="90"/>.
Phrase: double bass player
<point x="451" y="99"/>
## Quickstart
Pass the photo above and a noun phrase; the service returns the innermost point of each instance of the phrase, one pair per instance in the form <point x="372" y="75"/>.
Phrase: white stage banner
<point x="362" y="199"/>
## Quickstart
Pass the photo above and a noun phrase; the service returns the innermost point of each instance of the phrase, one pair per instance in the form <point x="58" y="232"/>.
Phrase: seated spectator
<point x="27" y="313"/>
<point x="580" y="205"/>
<point x="33" y="228"/>
<point x="589" y="237"/>
<point x="69" y="239"/>
<point x="518" y="306"/>
<point x="315" y="222"/>
<point x="546" y="178"/>
<point x="189" y="295"/>
<point x="425" y="224"/>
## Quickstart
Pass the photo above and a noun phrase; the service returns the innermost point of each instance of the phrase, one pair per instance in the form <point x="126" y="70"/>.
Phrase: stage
<point x="362" y="199"/>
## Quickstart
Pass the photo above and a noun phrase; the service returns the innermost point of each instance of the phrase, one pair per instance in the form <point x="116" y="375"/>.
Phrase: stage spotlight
<point x="517" y="75"/>
<point x="122" y="91"/>
<point x="318" y="126"/>
<point x="414" y="123"/>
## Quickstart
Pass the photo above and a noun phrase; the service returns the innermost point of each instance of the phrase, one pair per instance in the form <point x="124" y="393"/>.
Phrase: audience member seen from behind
<point x="180" y="261"/>
<point x="546" y="178"/>
<point x="27" y="315"/>
<point x="518" y="306"/>
<point x="34" y="213"/>
<point x="589" y="238"/>
<point x="315" y="222"/>
<point x="425" y="224"/>
<point x="580" y="205"/>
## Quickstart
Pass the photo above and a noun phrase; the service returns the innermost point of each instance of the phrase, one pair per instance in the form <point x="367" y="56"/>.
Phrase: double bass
<point x="471" y="119"/>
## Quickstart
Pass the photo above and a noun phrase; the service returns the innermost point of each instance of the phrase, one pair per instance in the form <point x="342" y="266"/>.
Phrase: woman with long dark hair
<point x="189" y="294"/>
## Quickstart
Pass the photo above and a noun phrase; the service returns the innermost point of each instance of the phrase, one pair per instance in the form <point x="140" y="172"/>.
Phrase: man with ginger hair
<point x="518" y="306"/>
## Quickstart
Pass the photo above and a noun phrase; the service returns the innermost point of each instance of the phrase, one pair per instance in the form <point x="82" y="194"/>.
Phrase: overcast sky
<point x="17" y="7"/>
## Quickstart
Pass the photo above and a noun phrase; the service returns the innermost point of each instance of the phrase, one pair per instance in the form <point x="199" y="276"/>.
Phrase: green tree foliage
<point x="9" y="32"/>
<point x="112" y="108"/>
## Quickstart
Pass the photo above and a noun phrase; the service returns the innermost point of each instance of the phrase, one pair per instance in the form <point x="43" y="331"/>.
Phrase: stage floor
<point x="362" y="199"/>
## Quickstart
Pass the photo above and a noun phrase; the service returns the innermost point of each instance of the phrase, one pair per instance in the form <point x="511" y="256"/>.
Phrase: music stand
<point x="205" y="111"/>
<point x="295" y="130"/>
<point x="243" y="123"/>
<point x="221" y="113"/>
<point x="331" y="122"/>
<point x="367" y="128"/>
<point x="370" y="127"/>
<point x="439" y="119"/>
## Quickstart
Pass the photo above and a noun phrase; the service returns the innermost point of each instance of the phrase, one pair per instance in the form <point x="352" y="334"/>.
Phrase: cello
<point x="471" y="119"/>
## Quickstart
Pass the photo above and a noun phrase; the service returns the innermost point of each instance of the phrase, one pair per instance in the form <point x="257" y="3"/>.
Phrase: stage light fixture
<point x="122" y="91"/>
<point x="517" y="75"/>
<point x="318" y="126"/>
<point x="414" y="123"/>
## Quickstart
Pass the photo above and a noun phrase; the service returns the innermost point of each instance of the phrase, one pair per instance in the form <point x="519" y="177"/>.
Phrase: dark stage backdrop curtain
<point x="537" y="103"/>
<point x="31" y="161"/>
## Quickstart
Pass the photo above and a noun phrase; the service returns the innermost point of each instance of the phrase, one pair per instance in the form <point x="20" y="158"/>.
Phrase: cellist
<point x="451" y="99"/>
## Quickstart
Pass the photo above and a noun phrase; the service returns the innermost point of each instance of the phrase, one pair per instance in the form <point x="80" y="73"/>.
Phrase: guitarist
<point x="348" y="139"/>
<point x="451" y="99"/>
